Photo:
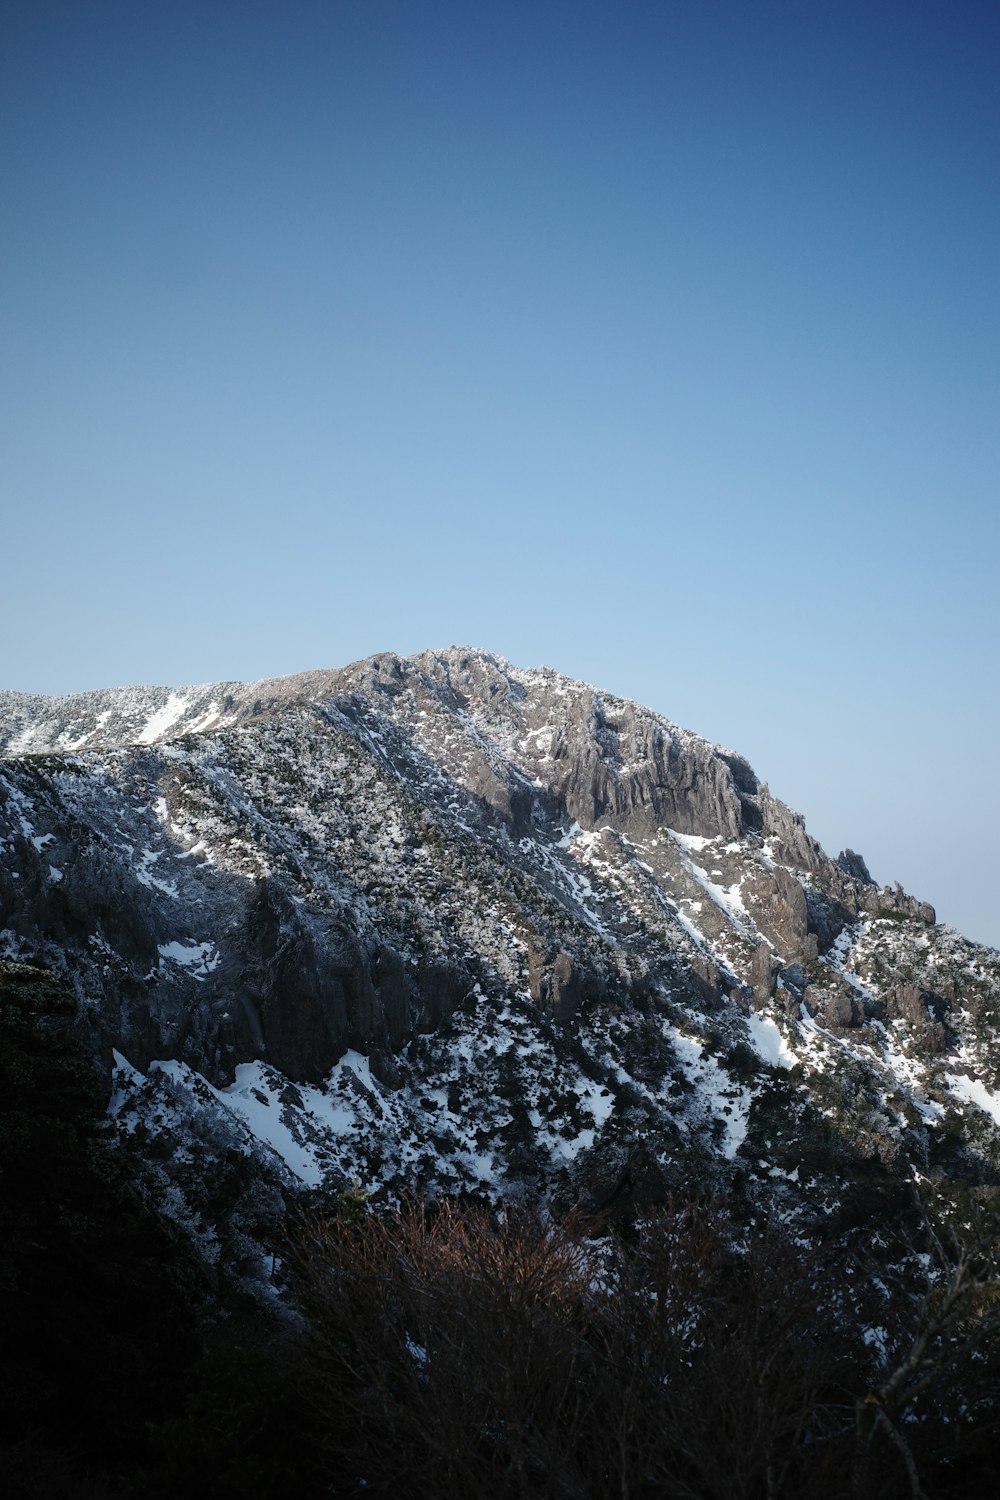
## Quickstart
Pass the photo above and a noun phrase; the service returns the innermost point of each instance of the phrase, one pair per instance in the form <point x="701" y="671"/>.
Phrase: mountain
<point x="436" y="923"/>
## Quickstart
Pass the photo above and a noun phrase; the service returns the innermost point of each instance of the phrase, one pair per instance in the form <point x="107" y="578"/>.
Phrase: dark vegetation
<point x="456" y="1350"/>
<point x="99" y="1296"/>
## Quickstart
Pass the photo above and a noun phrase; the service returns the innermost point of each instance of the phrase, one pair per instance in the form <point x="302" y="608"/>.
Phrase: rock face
<point x="465" y="877"/>
<point x="853" y="864"/>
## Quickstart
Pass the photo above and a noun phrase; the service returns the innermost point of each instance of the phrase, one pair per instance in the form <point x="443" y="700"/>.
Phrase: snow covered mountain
<point x="437" y="923"/>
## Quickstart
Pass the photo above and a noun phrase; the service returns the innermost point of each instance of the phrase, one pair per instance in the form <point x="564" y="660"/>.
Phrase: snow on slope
<point x="441" y="923"/>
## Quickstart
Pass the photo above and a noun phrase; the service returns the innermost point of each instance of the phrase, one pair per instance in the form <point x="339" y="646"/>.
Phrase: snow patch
<point x="163" y="719"/>
<point x="721" y="1100"/>
<point x="145" y="876"/>
<point x="200" y="958"/>
<point x="973" y="1092"/>
<point x="768" y="1042"/>
<point x="694" y="841"/>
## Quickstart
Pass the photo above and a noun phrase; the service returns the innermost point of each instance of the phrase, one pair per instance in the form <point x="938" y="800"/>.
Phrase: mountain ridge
<point x="438" y="922"/>
<point x="50" y="720"/>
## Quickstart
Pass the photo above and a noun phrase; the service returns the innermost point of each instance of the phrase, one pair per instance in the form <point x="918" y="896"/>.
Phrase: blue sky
<point x="658" y="342"/>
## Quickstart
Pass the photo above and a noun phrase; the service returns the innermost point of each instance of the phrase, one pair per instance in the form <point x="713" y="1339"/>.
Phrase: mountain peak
<point x="438" y="919"/>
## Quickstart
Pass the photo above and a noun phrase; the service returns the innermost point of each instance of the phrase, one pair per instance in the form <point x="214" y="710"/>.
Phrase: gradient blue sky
<point x="658" y="342"/>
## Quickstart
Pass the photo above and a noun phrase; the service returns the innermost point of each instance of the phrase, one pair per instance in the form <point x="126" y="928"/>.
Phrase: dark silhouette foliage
<point x="97" y="1297"/>
<point x="462" y="1351"/>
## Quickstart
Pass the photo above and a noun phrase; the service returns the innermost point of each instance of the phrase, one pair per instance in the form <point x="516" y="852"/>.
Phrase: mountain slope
<point x="437" y="922"/>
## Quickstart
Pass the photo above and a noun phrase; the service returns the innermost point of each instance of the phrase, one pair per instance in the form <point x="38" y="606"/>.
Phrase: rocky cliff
<point x="440" y="922"/>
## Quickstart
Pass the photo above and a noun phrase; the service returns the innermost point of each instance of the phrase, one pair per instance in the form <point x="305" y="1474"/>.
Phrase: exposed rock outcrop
<point x="416" y="883"/>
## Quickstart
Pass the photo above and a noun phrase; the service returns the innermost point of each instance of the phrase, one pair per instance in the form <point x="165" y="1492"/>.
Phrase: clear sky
<point x="657" y="342"/>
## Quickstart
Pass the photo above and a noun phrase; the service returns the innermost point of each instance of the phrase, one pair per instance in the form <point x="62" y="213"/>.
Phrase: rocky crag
<point x="437" y="923"/>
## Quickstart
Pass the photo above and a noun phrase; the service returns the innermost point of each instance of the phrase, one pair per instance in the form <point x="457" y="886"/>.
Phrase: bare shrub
<point x="464" y="1352"/>
<point x="729" y="1365"/>
<point x="446" y="1350"/>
